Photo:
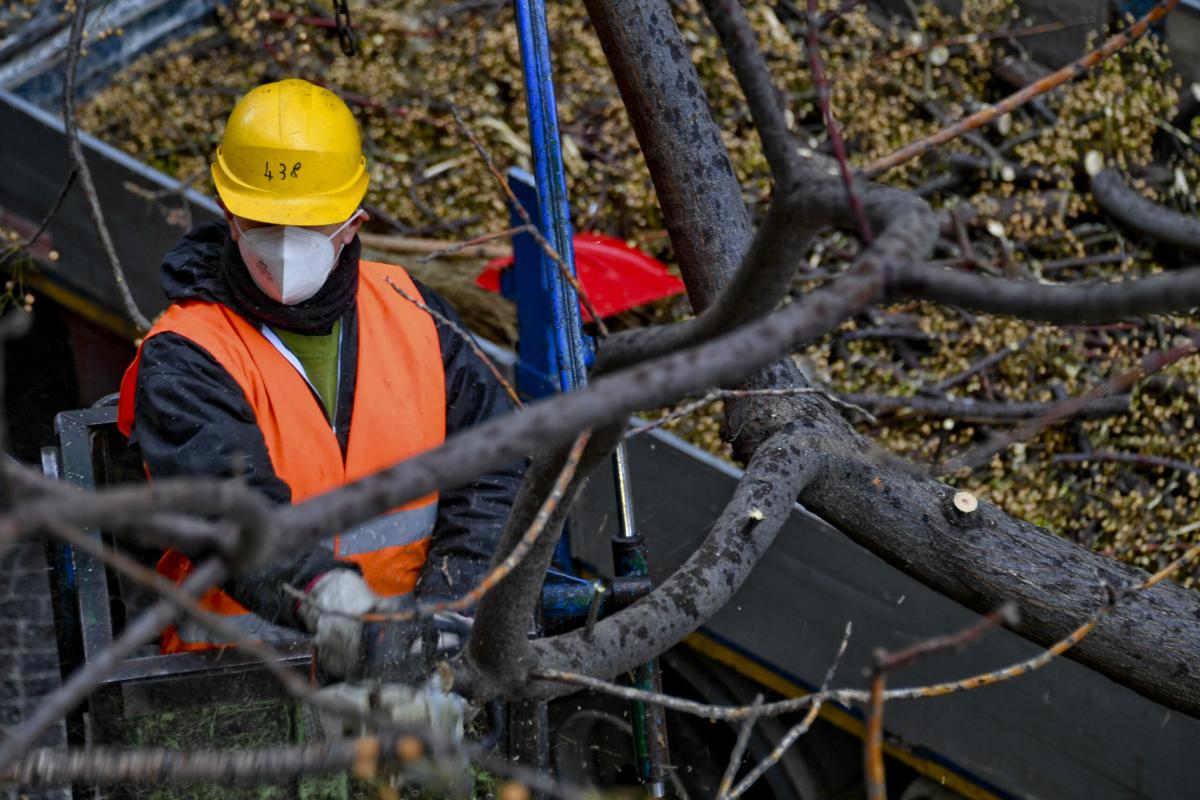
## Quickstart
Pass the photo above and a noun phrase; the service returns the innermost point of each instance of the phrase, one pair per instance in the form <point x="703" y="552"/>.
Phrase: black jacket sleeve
<point x="192" y="418"/>
<point x="472" y="517"/>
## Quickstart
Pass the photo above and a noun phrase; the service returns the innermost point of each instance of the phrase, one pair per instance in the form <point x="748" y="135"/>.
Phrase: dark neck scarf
<point x="315" y="316"/>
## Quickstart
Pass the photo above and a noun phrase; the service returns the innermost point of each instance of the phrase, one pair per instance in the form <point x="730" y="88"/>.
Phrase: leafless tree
<point x="1140" y="631"/>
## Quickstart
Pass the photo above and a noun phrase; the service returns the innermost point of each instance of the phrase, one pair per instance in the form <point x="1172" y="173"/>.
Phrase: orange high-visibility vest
<point x="399" y="410"/>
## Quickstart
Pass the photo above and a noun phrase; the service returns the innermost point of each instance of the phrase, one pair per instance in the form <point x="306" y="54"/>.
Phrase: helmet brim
<point x="254" y="204"/>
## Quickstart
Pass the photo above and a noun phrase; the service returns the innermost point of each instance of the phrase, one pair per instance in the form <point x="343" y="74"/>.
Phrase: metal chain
<point x="345" y="34"/>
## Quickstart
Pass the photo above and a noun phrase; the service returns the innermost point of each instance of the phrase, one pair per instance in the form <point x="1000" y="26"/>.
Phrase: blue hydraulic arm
<point x="554" y="353"/>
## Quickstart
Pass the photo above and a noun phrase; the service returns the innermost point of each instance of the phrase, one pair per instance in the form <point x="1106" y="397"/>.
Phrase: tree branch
<point x="985" y="411"/>
<point x="1048" y="302"/>
<point x="499" y="651"/>
<point x="1023" y="96"/>
<point x="1135" y="212"/>
<point x="74" y="45"/>
<point x="747" y="526"/>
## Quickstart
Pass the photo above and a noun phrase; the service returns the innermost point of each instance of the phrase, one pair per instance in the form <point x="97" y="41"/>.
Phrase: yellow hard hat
<point x="291" y="155"/>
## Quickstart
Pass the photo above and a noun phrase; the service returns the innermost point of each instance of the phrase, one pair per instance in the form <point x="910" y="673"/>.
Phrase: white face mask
<point x="289" y="263"/>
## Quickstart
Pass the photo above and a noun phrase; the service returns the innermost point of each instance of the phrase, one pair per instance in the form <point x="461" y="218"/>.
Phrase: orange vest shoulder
<point x="399" y="394"/>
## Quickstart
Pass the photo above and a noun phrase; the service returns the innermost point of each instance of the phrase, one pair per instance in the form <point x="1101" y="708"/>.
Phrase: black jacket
<point x="191" y="418"/>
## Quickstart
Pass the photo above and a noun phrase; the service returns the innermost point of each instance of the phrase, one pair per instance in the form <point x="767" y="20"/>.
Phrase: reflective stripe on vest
<point x="390" y="530"/>
<point x="399" y="410"/>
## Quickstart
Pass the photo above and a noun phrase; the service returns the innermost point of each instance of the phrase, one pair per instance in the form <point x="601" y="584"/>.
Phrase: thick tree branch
<point x="169" y="512"/>
<point x="499" y="648"/>
<point x="986" y="558"/>
<point x="754" y="78"/>
<point x="1046" y="302"/>
<point x="747" y="526"/>
<point x="1135" y="212"/>
<point x="693" y="178"/>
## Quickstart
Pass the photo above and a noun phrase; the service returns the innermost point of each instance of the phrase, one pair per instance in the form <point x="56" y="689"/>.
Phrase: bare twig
<point x="1085" y="261"/>
<point x="797" y="730"/>
<point x="32" y="239"/>
<point x="529" y="224"/>
<point x="873" y="771"/>
<point x="887" y="662"/>
<point x="721" y="394"/>
<point x="471" y="246"/>
<point x="972" y="38"/>
<point x="982" y="365"/>
<point x="184" y="216"/>
<point x="1019" y="98"/>
<point x="467" y="338"/>
<point x="971" y="410"/>
<point x="821" y="82"/>
<point x="884" y="663"/>
<point x="85" y="175"/>
<point x="1152" y="363"/>
<point x="739" y="749"/>
<point x="429" y="249"/>
<point x="683" y="411"/>
<point x="1137" y="459"/>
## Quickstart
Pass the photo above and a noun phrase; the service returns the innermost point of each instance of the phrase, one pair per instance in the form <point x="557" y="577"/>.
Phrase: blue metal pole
<point x="555" y="221"/>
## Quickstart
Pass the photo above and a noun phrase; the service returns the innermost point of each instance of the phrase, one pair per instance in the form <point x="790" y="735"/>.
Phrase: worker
<point x="288" y="361"/>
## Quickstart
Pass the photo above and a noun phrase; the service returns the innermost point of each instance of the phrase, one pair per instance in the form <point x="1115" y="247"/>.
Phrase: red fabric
<point x="615" y="276"/>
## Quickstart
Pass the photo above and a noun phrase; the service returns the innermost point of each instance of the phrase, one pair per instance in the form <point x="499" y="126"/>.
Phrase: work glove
<point x="388" y="652"/>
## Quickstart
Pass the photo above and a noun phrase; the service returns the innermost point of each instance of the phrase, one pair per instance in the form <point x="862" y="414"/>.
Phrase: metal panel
<point x="155" y="684"/>
<point x="1063" y="732"/>
<point x="37" y="73"/>
<point x="34" y="164"/>
<point x="74" y="429"/>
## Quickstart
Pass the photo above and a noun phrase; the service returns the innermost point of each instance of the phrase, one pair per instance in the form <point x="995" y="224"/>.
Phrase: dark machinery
<point x="1062" y="732"/>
